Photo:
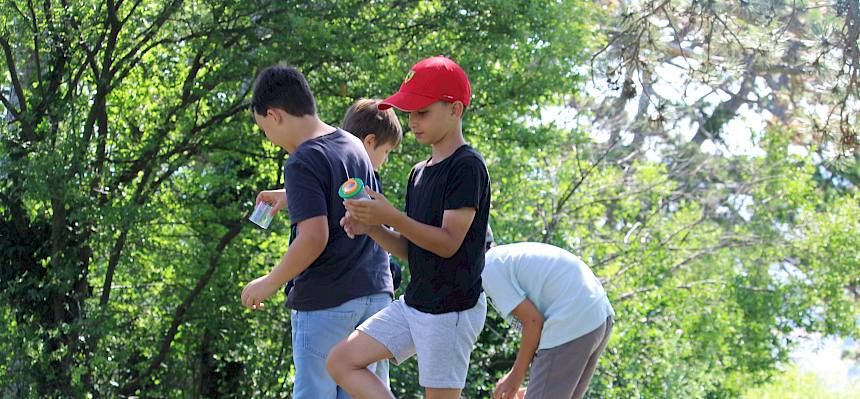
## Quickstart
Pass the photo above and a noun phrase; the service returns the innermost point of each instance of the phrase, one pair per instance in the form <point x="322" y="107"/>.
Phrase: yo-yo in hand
<point x="353" y="188"/>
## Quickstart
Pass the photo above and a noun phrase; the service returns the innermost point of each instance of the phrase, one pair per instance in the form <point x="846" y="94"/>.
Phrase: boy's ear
<point x="457" y="109"/>
<point x="370" y="140"/>
<point x="275" y="114"/>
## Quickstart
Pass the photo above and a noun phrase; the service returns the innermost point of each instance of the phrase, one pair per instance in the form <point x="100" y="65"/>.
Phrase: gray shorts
<point x="443" y="342"/>
<point x="564" y="372"/>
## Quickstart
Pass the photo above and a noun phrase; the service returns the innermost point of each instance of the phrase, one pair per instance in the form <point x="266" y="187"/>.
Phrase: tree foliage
<point x="690" y="68"/>
<point x="129" y="162"/>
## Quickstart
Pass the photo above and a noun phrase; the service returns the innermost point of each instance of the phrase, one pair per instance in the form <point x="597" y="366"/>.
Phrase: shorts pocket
<point x="331" y="314"/>
<point x="321" y="330"/>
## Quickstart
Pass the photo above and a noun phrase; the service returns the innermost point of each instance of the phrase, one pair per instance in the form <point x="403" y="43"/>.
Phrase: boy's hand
<point x="372" y="212"/>
<point x="258" y="291"/>
<point x="276" y="198"/>
<point x="508" y="386"/>
<point x="353" y="227"/>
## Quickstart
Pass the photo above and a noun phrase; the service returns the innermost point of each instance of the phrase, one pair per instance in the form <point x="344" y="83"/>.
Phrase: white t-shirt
<point x="560" y="285"/>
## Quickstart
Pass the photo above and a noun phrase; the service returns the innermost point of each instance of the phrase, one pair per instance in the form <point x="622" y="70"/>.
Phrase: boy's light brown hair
<point x="364" y="117"/>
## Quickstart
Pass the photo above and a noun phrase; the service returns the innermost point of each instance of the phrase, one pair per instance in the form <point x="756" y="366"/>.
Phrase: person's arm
<point x="276" y="198"/>
<point x="391" y="241"/>
<point x="532" y="321"/>
<point x="311" y="239"/>
<point x="443" y="241"/>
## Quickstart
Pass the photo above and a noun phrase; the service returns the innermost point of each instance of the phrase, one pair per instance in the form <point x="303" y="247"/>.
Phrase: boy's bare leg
<point x="347" y="363"/>
<point x="442" y="393"/>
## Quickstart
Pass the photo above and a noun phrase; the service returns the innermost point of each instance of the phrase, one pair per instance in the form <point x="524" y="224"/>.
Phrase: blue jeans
<point x="316" y="332"/>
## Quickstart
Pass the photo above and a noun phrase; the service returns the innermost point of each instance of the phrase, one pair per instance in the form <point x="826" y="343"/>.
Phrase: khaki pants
<point x="564" y="371"/>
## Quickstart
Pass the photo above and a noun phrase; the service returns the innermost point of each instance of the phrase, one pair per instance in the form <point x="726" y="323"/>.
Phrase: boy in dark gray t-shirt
<point x="338" y="281"/>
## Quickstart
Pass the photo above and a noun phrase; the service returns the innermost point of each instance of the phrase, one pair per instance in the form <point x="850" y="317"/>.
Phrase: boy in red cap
<point x="441" y="235"/>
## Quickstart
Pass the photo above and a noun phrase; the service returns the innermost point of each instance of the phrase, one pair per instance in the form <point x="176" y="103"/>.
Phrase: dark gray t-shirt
<point x="441" y="285"/>
<point x="347" y="268"/>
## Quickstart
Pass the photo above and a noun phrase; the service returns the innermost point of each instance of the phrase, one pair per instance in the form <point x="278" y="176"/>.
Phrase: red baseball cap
<point x="430" y="80"/>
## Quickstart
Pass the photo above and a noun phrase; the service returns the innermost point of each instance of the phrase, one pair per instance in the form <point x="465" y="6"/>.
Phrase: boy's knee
<point x="331" y="364"/>
<point x="336" y="362"/>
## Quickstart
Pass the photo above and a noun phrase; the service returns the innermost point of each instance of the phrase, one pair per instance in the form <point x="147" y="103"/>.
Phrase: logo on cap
<point x="409" y="76"/>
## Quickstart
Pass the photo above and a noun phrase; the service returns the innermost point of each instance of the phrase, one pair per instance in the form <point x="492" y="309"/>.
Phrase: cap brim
<point x="406" y="102"/>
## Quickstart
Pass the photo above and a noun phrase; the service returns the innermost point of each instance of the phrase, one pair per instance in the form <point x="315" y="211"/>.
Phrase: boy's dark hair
<point x="282" y="87"/>
<point x="364" y="117"/>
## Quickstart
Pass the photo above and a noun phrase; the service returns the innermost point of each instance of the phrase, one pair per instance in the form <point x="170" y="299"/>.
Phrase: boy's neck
<point x="448" y="145"/>
<point x="306" y="128"/>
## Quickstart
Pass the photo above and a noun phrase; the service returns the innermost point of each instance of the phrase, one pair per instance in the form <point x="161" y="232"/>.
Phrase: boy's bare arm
<point x="532" y="321"/>
<point x="390" y="240"/>
<point x="310" y="242"/>
<point x="443" y="241"/>
<point x="311" y="239"/>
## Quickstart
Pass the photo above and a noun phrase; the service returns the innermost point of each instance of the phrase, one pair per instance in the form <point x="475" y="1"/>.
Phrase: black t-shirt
<point x="347" y="268"/>
<point x="441" y="285"/>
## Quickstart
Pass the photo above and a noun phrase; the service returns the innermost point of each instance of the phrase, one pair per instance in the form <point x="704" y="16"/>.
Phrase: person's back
<point x="379" y="132"/>
<point x="560" y="285"/>
<point x="565" y="314"/>
<point x="347" y="268"/>
<point x="338" y="282"/>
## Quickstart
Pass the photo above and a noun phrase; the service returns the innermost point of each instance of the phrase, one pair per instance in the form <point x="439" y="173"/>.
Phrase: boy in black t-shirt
<point x="441" y="236"/>
<point x="339" y="282"/>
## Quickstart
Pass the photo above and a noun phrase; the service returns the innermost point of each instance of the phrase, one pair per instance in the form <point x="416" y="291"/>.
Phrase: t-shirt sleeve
<point x="467" y="183"/>
<point x="305" y="191"/>
<point x="504" y="291"/>
<point x="377" y="181"/>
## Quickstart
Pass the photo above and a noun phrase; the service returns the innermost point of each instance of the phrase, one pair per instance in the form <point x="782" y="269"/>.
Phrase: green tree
<point x="129" y="162"/>
<point x="695" y="66"/>
<point x="797" y="384"/>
